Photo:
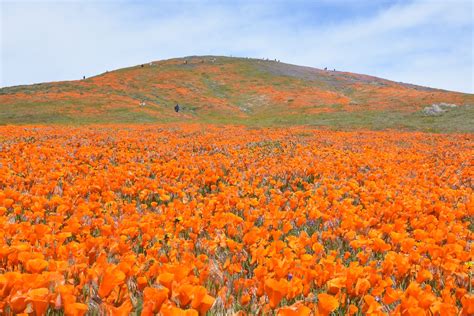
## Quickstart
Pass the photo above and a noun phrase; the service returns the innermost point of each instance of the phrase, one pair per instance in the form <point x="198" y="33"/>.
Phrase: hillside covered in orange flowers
<point x="189" y="219"/>
<point x="217" y="89"/>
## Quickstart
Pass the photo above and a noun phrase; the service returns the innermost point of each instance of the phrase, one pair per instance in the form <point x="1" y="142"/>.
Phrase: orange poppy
<point x="153" y="298"/>
<point x="276" y="291"/>
<point x="327" y="303"/>
<point x="111" y="278"/>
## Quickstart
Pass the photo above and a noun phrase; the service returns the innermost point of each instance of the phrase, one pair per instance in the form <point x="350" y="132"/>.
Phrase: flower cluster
<point x="192" y="219"/>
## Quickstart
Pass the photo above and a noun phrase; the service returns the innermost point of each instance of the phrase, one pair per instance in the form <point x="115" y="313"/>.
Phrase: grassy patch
<point x="460" y="119"/>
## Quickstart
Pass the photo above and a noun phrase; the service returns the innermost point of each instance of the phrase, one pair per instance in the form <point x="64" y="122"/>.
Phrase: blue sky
<point x="426" y="42"/>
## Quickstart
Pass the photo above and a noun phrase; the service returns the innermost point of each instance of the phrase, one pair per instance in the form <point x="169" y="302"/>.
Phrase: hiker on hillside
<point x="176" y="108"/>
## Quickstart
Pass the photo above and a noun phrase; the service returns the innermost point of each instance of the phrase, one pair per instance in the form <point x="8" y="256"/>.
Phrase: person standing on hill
<point x="176" y="108"/>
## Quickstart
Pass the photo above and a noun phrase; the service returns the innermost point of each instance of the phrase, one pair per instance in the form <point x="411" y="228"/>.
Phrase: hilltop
<point x="216" y="89"/>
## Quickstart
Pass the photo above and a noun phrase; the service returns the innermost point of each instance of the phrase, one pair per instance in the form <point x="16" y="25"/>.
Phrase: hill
<point x="217" y="89"/>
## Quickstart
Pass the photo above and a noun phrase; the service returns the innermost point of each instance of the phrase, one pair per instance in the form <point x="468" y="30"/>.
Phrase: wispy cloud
<point x="422" y="42"/>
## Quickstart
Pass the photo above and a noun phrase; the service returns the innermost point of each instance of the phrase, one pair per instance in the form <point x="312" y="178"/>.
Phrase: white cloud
<point x="421" y="42"/>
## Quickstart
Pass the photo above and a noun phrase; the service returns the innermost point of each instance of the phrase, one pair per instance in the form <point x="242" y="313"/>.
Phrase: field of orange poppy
<point x="229" y="220"/>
